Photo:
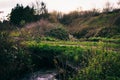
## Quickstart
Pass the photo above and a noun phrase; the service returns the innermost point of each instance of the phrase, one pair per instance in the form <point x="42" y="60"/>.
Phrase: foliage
<point x="81" y="33"/>
<point x="108" y="31"/>
<point x="116" y="22"/>
<point x="104" y="66"/>
<point x="95" y="64"/>
<point x="36" y="30"/>
<point x="44" y="43"/>
<point x="20" y="15"/>
<point x="14" y="61"/>
<point x="114" y="39"/>
<point x="48" y="53"/>
<point x="59" y="33"/>
<point x="5" y="26"/>
<point x="44" y="53"/>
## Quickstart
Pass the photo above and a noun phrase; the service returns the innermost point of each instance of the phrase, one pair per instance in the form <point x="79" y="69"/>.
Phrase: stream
<point x="63" y="71"/>
<point x="54" y="74"/>
<point x="42" y="75"/>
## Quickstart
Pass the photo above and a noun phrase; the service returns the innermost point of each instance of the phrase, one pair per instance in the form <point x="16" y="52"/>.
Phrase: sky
<point x="58" y="5"/>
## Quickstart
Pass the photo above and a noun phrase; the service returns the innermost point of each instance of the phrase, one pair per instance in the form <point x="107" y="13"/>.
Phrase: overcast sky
<point x="58" y="5"/>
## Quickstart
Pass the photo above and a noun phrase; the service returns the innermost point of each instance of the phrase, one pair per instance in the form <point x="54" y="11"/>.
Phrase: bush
<point x="14" y="61"/>
<point x="36" y="30"/>
<point x="108" y="31"/>
<point x="59" y="33"/>
<point x="6" y="26"/>
<point x="104" y="66"/>
<point x="117" y="21"/>
<point x="81" y="33"/>
<point x="43" y="55"/>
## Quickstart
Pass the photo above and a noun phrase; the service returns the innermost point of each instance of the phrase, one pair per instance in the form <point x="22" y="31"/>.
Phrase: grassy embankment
<point x="93" y="61"/>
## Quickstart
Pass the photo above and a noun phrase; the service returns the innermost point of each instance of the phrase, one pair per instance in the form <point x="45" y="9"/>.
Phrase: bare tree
<point x="1" y="13"/>
<point x="95" y="12"/>
<point x="40" y="7"/>
<point x="43" y="9"/>
<point x="118" y="3"/>
<point x="108" y="7"/>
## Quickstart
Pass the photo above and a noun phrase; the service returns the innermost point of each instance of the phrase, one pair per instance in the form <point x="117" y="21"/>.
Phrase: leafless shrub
<point x="37" y="29"/>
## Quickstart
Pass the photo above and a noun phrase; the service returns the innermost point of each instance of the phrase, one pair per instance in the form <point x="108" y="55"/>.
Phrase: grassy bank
<point x="93" y="60"/>
<point x="92" y="63"/>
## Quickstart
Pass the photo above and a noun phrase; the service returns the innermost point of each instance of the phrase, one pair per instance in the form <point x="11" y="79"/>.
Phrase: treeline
<point x="108" y="9"/>
<point x="21" y="15"/>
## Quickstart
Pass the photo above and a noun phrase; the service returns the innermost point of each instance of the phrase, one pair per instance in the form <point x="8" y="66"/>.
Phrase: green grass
<point x="90" y="56"/>
<point x="104" y="66"/>
<point x="75" y="46"/>
<point x="96" y="39"/>
<point x="85" y="55"/>
<point x="95" y="63"/>
<point x="84" y="44"/>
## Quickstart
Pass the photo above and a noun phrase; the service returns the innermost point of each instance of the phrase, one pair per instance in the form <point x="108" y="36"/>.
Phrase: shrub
<point x="6" y="26"/>
<point x="14" y="61"/>
<point x="104" y="66"/>
<point x="43" y="55"/>
<point x="107" y="32"/>
<point x="59" y="33"/>
<point x="81" y="33"/>
<point x="117" y="21"/>
<point x="36" y="30"/>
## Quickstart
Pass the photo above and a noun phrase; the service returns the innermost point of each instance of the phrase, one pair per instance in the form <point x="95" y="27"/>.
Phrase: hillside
<point x="102" y="25"/>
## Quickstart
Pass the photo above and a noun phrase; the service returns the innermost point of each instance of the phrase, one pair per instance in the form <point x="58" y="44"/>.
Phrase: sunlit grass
<point x="106" y="46"/>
